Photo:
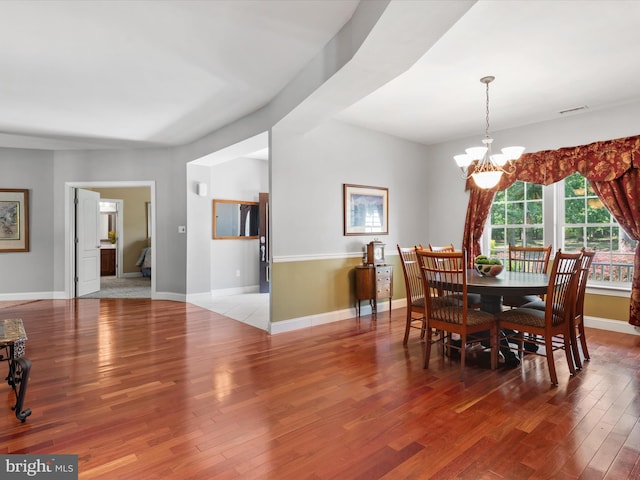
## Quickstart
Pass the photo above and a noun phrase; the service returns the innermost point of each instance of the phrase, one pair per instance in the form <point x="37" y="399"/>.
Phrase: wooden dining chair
<point x="473" y="299"/>
<point x="444" y="248"/>
<point x="449" y="312"/>
<point x="552" y="322"/>
<point x="415" y="292"/>
<point x="530" y="260"/>
<point x="577" y="329"/>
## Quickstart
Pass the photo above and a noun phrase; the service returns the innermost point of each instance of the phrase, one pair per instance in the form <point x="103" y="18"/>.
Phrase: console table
<point x="12" y="348"/>
<point x="373" y="283"/>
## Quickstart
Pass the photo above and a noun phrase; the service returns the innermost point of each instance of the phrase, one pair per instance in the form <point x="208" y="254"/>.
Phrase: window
<point x="587" y="223"/>
<point x="516" y="218"/>
<point x="567" y="215"/>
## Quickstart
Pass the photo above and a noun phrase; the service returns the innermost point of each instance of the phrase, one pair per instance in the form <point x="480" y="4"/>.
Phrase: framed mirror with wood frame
<point x="235" y="219"/>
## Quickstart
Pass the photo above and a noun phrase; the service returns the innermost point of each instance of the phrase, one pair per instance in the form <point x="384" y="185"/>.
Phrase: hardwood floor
<point x="156" y="389"/>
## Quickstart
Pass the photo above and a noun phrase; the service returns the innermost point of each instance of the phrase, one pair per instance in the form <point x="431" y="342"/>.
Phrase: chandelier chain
<point x="486" y="132"/>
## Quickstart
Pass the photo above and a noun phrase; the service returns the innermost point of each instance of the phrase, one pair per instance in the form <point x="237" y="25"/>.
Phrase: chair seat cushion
<point x="540" y="305"/>
<point x="445" y="301"/>
<point x="523" y="316"/>
<point x="536" y="304"/>
<point x="418" y="303"/>
<point x="518" y="301"/>
<point x="474" y="317"/>
<point x="473" y="299"/>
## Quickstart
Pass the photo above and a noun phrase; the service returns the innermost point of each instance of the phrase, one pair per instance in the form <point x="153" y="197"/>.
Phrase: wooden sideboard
<point x="374" y="283"/>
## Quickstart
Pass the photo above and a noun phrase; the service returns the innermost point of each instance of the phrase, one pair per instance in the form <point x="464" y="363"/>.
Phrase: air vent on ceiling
<point x="573" y="110"/>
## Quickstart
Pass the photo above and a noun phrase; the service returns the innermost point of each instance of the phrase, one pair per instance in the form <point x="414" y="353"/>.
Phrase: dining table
<point x="492" y="289"/>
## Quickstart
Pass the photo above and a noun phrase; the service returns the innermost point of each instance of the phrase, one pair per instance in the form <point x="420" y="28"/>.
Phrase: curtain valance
<point x="599" y="161"/>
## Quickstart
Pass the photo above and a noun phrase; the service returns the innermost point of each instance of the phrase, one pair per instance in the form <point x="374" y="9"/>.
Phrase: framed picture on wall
<point x="366" y="210"/>
<point x="14" y="220"/>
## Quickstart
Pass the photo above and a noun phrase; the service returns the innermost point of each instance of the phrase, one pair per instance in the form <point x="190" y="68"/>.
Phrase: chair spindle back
<point x="561" y="293"/>
<point x="529" y="259"/>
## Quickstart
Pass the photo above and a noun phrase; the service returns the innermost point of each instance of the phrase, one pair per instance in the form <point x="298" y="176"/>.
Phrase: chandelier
<point x="487" y="167"/>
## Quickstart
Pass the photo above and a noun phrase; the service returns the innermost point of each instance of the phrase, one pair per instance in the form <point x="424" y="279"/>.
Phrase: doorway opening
<point x="224" y="274"/>
<point x="134" y="232"/>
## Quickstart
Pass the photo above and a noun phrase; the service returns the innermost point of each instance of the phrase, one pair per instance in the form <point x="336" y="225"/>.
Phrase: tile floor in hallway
<point x="249" y="308"/>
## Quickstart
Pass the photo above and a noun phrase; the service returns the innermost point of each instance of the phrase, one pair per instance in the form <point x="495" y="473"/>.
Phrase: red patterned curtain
<point x="621" y="196"/>
<point x="480" y="201"/>
<point x="612" y="169"/>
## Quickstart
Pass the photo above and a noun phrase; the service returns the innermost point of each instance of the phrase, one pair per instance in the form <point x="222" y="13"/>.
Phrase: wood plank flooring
<point x="165" y="390"/>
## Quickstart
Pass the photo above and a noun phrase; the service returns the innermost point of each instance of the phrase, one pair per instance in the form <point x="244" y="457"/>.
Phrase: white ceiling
<point x="103" y="73"/>
<point x="547" y="56"/>
<point x="110" y="74"/>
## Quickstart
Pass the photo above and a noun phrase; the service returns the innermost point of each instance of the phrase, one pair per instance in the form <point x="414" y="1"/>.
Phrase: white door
<point x="87" y="242"/>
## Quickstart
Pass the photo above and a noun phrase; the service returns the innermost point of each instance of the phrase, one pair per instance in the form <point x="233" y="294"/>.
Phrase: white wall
<point x="198" y="230"/>
<point x="240" y="179"/>
<point x="29" y="274"/>
<point x="152" y="165"/>
<point x="308" y="173"/>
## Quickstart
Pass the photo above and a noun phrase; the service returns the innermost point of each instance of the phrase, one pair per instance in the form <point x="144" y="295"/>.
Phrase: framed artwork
<point x="366" y="210"/>
<point x="14" y="220"/>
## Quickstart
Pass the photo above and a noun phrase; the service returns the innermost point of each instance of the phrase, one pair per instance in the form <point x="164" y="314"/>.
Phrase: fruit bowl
<point x="489" y="270"/>
<point x="488" y="267"/>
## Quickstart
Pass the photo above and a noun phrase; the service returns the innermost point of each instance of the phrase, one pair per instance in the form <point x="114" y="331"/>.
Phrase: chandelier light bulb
<point x="476" y="153"/>
<point x="463" y="160"/>
<point x="513" y="153"/>
<point x="487" y="179"/>
<point x="500" y="159"/>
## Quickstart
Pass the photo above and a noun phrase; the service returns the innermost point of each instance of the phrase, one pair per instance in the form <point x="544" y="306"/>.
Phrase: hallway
<point x="113" y="287"/>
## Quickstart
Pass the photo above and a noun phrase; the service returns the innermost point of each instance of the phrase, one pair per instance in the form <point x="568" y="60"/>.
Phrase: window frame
<point x="547" y="210"/>
<point x="553" y="211"/>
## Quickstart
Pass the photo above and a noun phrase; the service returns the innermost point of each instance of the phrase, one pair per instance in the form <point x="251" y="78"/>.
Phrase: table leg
<point x="491" y="303"/>
<point x="18" y="379"/>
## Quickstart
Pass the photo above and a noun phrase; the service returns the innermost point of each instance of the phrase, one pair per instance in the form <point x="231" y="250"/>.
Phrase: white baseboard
<point x="329" y="317"/>
<point x="309" y="321"/>
<point x="323" y="318"/>
<point x="223" y="292"/>
<point x="198" y="297"/>
<point x="176" y="297"/>
<point x="611" y="325"/>
<point x="10" y="297"/>
<point x="131" y="275"/>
